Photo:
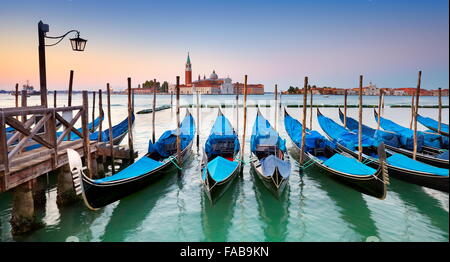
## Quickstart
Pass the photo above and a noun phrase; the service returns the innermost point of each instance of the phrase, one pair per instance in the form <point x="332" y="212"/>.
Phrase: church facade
<point x="213" y="85"/>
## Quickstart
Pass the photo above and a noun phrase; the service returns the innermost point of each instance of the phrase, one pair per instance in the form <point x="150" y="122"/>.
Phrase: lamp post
<point x="78" y="44"/>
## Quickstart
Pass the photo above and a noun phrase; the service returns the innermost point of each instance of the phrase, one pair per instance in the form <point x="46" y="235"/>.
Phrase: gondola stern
<point x="78" y="176"/>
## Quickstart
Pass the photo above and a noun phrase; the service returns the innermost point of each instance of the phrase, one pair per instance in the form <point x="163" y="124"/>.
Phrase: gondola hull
<point x="427" y="154"/>
<point x="373" y="185"/>
<point x="97" y="195"/>
<point x="440" y="183"/>
<point x="429" y="159"/>
<point x="218" y="189"/>
<point x="276" y="189"/>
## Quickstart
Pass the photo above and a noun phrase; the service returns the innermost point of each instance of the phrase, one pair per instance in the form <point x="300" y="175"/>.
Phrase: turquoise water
<point x="314" y="207"/>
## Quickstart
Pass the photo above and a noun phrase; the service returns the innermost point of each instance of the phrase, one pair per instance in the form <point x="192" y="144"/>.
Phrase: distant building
<point x="212" y="85"/>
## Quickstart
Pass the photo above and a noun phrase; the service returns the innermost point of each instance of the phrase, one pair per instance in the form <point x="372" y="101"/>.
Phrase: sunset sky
<point x="332" y="42"/>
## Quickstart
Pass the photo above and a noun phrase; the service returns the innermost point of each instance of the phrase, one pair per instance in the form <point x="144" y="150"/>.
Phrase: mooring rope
<point x="171" y="158"/>
<point x="308" y="163"/>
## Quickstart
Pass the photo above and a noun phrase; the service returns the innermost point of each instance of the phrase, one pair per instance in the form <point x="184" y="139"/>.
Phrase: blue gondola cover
<point x="221" y="132"/>
<point x="264" y="134"/>
<point x="405" y="162"/>
<point x="348" y="165"/>
<point x="313" y="138"/>
<point x="343" y="136"/>
<point x="431" y="123"/>
<point x="166" y="144"/>
<point x="271" y="162"/>
<point x="388" y="138"/>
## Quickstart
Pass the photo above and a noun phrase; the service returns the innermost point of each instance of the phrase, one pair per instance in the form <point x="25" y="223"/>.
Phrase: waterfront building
<point x="213" y="85"/>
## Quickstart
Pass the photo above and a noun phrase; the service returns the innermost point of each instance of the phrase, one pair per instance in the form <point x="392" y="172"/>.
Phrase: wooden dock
<point x="30" y="147"/>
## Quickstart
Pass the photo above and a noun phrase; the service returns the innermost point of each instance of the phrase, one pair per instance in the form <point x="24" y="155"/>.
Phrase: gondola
<point x="399" y="166"/>
<point x="433" y="125"/>
<point x="160" y="159"/>
<point x="426" y="140"/>
<point x="219" y="163"/>
<point x="342" y="166"/>
<point x="392" y="142"/>
<point x="269" y="157"/>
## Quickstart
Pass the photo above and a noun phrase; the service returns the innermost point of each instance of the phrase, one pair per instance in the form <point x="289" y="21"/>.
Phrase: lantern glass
<point x="78" y="44"/>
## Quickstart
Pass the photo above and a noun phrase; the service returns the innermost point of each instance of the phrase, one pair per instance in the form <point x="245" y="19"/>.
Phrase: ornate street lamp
<point x="78" y="44"/>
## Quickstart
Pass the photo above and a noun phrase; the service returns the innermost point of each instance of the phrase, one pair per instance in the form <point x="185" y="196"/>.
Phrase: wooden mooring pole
<point x="198" y="121"/>
<point x="310" y="107"/>
<point x="245" y="121"/>
<point x="93" y="111"/>
<point x="111" y="145"/>
<point x="237" y="111"/>
<point x="345" y="108"/>
<point x="412" y="112"/>
<point x="276" y="106"/>
<point x="153" y="112"/>
<point x="416" y="111"/>
<point x="69" y="102"/>
<point x="360" y="119"/>
<point x="379" y="109"/>
<point x="178" y="121"/>
<point x="54" y="98"/>
<point x="440" y="109"/>
<point x="130" y="123"/>
<point x="305" y="98"/>
<point x="86" y="140"/>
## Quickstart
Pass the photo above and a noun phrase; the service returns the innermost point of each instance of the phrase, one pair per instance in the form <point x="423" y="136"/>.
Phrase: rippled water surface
<point x="314" y="207"/>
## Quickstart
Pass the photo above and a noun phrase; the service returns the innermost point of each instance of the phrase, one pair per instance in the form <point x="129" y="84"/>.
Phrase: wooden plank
<point x="52" y="137"/>
<point x="38" y="167"/>
<point x="3" y="146"/>
<point x="36" y="110"/>
<point x="30" y="134"/>
<point x="16" y="134"/>
<point x="69" y="126"/>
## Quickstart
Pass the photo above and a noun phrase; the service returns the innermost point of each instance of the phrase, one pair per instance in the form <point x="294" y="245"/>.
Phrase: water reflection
<point x="352" y="206"/>
<point x="133" y="209"/>
<point x="428" y="206"/>
<point x="216" y="219"/>
<point x="273" y="212"/>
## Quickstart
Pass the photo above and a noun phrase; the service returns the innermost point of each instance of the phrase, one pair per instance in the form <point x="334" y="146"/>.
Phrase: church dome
<point x="213" y="75"/>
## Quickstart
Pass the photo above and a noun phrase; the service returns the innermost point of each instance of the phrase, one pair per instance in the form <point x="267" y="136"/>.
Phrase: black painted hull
<point x="440" y="183"/>
<point x="429" y="159"/>
<point x="97" y="195"/>
<point x="373" y="185"/>
<point x="218" y="189"/>
<point x="276" y="190"/>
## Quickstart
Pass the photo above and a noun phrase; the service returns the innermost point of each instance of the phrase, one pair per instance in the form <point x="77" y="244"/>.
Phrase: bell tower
<point x="188" y="72"/>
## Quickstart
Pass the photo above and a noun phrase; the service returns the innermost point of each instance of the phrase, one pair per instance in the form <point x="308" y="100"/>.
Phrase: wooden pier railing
<point x="38" y="130"/>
